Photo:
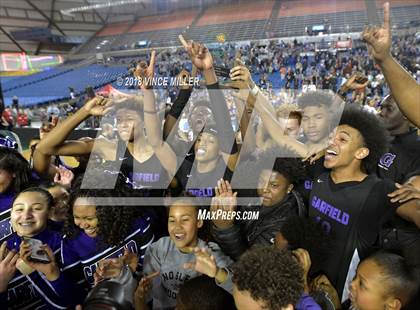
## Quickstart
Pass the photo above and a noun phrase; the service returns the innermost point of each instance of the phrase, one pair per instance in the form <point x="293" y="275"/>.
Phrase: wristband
<point x="254" y="91"/>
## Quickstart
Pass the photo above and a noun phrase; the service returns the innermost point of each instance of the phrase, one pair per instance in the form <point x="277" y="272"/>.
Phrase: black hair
<point x="374" y="135"/>
<point x="401" y="280"/>
<point x="46" y="194"/>
<point x="13" y="162"/>
<point x="285" y="163"/>
<point x="202" y="293"/>
<point x="270" y="275"/>
<point x="308" y="234"/>
<point x="114" y="222"/>
<point x="289" y="165"/>
<point x="316" y="98"/>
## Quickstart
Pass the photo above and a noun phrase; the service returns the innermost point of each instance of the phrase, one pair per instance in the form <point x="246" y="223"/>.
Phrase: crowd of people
<point x="232" y="197"/>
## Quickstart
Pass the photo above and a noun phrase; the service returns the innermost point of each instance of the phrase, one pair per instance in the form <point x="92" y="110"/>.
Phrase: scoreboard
<point x="24" y="62"/>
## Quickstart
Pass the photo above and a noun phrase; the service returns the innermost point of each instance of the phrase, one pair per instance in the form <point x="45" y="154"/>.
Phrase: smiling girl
<point x="42" y="284"/>
<point x="15" y="175"/>
<point x="96" y="231"/>
<point x="169" y="254"/>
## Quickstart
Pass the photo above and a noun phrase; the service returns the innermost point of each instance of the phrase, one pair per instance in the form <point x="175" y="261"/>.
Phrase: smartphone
<point x="90" y="92"/>
<point x="222" y="71"/>
<point x="37" y="254"/>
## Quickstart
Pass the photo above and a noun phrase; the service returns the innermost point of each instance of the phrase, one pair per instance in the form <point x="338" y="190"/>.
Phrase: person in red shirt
<point x="22" y="119"/>
<point x="7" y="116"/>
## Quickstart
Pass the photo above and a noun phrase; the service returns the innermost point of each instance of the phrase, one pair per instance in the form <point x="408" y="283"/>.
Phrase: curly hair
<point x="271" y="275"/>
<point x="308" y="234"/>
<point x="13" y="162"/>
<point x="375" y="136"/>
<point x="286" y="163"/>
<point x="114" y="222"/>
<point x="203" y="293"/>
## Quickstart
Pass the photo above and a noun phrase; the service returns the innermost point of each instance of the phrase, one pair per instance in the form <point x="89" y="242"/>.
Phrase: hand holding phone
<point x="38" y="254"/>
<point x="40" y="257"/>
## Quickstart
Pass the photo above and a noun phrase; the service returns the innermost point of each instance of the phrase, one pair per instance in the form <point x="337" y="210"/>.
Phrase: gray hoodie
<point x="165" y="257"/>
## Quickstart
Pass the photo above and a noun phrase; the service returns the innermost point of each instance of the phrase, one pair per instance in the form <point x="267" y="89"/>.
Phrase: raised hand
<point x="199" y="54"/>
<point x="63" y="176"/>
<point x="204" y="263"/>
<point x="50" y="270"/>
<point x="242" y="75"/>
<point x="131" y="259"/>
<point x="109" y="268"/>
<point x="98" y="106"/>
<point x="8" y="261"/>
<point x="356" y="81"/>
<point x="183" y="77"/>
<point x="224" y="201"/>
<point x="144" y="286"/>
<point x="378" y="39"/>
<point x="145" y="72"/>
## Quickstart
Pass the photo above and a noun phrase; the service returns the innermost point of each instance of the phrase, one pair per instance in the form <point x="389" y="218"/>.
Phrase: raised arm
<point x="54" y="143"/>
<point x="152" y="122"/>
<point x="179" y="104"/>
<point x="404" y="88"/>
<point x="267" y="114"/>
<point x="203" y="60"/>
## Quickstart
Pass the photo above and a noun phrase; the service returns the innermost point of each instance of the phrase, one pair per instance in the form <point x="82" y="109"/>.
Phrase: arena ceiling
<point x="84" y="20"/>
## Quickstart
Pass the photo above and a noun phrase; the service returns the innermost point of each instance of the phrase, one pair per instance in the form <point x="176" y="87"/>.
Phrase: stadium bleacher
<point x="52" y="89"/>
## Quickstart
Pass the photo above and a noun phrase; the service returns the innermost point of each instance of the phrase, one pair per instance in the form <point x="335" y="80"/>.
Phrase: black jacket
<point x="243" y="234"/>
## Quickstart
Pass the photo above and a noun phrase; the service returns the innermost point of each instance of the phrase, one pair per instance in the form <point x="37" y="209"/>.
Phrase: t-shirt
<point x="165" y="257"/>
<point x="82" y="254"/>
<point x="402" y="160"/>
<point x="353" y="213"/>
<point x="312" y="172"/>
<point x="202" y="184"/>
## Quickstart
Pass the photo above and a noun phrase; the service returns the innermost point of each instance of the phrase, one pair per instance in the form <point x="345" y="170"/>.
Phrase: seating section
<point x="239" y="31"/>
<point x="256" y="10"/>
<point x="9" y="85"/>
<point x="307" y="7"/>
<point x="169" y="21"/>
<point x="57" y="88"/>
<point x="340" y="22"/>
<point x="114" y="29"/>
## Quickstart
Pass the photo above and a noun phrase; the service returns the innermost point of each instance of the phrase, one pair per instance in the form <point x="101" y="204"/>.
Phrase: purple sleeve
<point x="63" y="286"/>
<point x="306" y="302"/>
